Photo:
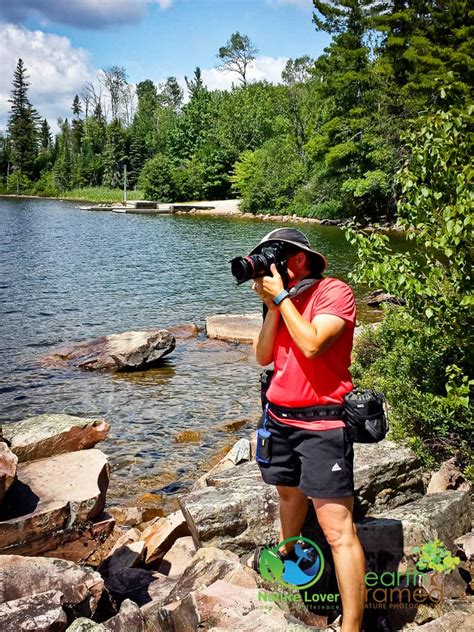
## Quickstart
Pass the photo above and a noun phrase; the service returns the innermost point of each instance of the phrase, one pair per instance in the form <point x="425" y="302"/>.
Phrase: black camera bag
<point x="366" y="415"/>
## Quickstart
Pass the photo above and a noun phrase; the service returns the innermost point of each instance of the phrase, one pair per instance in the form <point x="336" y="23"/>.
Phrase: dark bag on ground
<point x="366" y="415"/>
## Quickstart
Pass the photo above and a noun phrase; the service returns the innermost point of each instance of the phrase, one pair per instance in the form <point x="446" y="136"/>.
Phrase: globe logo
<point x="302" y="571"/>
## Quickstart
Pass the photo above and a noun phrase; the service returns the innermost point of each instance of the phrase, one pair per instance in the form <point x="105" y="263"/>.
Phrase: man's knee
<point x="291" y="494"/>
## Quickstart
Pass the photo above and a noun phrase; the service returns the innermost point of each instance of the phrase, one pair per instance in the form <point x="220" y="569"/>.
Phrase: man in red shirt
<point x="307" y="333"/>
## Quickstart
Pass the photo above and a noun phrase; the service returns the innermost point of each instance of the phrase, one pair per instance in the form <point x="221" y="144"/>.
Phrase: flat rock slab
<point x="128" y="351"/>
<point x="234" y="327"/>
<point x="21" y="577"/>
<point x="386" y="475"/>
<point x="8" y="463"/>
<point x="41" y="613"/>
<point x="58" y="493"/>
<point x="47" y="435"/>
<point x="388" y="538"/>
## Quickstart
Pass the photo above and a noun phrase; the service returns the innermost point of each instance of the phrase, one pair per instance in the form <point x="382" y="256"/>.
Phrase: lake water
<point x="68" y="275"/>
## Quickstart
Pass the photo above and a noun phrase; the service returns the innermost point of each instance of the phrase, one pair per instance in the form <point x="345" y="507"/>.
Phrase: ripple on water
<point x="69" y="275"/>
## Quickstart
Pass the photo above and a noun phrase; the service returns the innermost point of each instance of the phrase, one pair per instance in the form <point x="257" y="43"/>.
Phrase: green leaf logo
<point x="271" y="566"/>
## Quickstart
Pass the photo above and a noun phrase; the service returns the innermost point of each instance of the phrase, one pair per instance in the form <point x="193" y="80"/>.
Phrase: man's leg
<point x="293" y="510"/>
<point x="335" y="518"/>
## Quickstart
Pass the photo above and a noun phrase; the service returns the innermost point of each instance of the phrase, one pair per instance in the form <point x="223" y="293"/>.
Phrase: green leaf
<point x="271" y="566"/>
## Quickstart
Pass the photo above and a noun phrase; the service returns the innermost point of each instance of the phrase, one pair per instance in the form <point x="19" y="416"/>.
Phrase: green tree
<point x="22" y="124"/>
<point x="115" y="155"/>
<point x="236" y="55"/>
<point x="421" y="355"/>
<point x="195" y="84"/>
<point x="268" y="177"/>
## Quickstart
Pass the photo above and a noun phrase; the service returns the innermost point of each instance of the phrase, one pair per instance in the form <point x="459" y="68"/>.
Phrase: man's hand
<point x="268" y="287"/>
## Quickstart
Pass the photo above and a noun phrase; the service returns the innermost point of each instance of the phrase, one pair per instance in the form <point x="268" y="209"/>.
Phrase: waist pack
<point x="366" y="415"/>
<point x="365" y="412"/>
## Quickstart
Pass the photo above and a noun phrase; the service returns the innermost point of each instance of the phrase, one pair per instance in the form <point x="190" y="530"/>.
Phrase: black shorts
<point x="319" y="462"/>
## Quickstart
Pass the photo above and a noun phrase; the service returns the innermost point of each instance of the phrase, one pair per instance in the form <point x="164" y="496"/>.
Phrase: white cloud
<point x="262" y="68"/>
<point x="57" y="71"/>
<point x="93" y="14"/>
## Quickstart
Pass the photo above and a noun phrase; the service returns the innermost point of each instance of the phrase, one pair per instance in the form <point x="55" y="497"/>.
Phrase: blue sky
<point x="64" y="43"/>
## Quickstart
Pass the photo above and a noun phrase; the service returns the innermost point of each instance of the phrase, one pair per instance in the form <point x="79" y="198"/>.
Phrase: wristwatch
<point x="281" y="297"/>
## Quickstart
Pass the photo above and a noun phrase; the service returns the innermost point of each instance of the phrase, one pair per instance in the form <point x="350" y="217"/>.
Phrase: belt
<point x="308" y="413"/>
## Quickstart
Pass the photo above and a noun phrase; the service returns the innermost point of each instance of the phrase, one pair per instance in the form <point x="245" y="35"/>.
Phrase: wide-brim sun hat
<point x="295" y="238"/>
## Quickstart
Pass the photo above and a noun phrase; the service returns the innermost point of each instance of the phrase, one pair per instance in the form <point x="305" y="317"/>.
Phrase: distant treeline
<point x="326" y="142"/>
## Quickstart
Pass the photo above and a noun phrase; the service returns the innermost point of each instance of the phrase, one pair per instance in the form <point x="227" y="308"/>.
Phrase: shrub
<point x="421" y="355"/>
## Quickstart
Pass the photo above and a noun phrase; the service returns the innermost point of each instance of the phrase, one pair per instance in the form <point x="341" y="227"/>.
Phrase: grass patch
<point x="100" y="195"/>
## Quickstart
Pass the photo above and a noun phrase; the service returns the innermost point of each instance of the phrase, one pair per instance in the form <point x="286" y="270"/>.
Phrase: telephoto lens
<point x="254" y="266"/>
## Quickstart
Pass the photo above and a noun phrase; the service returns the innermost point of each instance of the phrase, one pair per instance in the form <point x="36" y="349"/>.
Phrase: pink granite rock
<point x="8" y="462"/>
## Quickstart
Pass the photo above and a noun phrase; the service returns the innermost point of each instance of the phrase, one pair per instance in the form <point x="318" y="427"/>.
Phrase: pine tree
<point x="22" y="124"/>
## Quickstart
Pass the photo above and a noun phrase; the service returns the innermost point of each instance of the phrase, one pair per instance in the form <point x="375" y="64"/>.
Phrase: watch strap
<point x="281" y="297"/>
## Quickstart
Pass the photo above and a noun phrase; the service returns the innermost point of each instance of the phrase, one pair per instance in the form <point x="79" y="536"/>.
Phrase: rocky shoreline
<point x="230" y="208"/>
<point x="68" y="561"/>
<point x="73" y="563"/>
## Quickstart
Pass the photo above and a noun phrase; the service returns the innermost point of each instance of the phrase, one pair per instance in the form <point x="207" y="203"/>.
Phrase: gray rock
<point x="47" y="435"/>
<point x="41" y="613"/>
<point x="388" y="538"/>
<point x="85" y="625"/>
<point x="49" y="495"/>
<point x="239" y="453"/>
<point x="22" y="577"/>
<point x="207" y="566"/>
<point x="129" y="619"/>
<point x="127" y="351"/>
<point x="221" y="607"/>
<point x="386" y="475"/>
<point x="449" y="476"/>
<point x="234" y="518"/>
<point x="234" y="327"/>
<point x="8" y="463"/>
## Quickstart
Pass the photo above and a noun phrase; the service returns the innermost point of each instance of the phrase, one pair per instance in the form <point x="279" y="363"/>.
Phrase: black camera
<point x="254" y="266"/>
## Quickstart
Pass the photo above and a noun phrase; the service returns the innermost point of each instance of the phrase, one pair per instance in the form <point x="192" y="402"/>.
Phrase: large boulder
<point x="41" y="613"/>
<point x="8" y="463"/>
<point x="221" y="606"/>
<point x="63" y="492"/>
<point x="389" y="537"/>
<point x="127" y="351"/>
<point x="129" y="619"/>
<point x="234" y="327"/>
<point x="237" y="509"/>
<point x="235" y="512"/>
<point x="21" y="577"/>
<point x="386" y="475"/>
<point x="47" y="435"/>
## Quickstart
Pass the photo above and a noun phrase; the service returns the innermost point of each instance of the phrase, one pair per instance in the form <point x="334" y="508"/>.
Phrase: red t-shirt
<point x="300" y="381"/>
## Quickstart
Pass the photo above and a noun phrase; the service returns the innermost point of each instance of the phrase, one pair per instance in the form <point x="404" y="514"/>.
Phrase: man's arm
<point x="311" y="338"/>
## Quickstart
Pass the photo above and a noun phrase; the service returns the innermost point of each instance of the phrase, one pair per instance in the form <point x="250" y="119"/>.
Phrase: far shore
<point x="227" y="208"/>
